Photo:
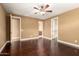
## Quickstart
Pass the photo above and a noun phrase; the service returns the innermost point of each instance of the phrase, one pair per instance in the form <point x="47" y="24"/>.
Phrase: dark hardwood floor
<point x="39" y="47"/>
<point x="6" y="50"/>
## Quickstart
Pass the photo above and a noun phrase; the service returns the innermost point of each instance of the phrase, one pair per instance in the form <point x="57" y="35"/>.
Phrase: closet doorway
<point x="54" y="28"/>
<point x="15" y="28"/>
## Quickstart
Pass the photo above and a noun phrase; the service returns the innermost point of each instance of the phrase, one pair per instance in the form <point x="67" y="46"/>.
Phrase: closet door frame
<point x="52" y="27"/>
<point x="12" y="16"/>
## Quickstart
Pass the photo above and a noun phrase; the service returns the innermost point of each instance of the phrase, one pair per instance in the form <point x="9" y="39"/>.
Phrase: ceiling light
<point x="43" y="9"/>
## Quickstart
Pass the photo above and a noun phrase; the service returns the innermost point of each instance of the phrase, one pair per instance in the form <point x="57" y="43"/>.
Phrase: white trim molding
<point x="69" y="44"/>
<point x="3" y="46"/>
<point x="47" y="38"/>
<point x="19" y="18"/>
<point x="33" y="38"/>
<point x="52" y="33"/>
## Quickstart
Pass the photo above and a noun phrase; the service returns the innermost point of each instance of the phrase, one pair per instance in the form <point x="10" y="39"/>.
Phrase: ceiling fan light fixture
<point x="43" y="9"/>
<point x="42" y="13"/>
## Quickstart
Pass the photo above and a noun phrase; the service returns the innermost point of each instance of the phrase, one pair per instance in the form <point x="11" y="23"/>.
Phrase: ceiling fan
<point x="43" y="9"/>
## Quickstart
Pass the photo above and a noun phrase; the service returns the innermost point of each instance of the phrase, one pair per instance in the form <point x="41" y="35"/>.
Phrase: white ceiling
<point x="26" y="9"/>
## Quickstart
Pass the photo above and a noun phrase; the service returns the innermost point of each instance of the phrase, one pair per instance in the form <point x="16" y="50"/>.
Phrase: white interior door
<point x="55" y="28"/>
<point x="15" y="29"/>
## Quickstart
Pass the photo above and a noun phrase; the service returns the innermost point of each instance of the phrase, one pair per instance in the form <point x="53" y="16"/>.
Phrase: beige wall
<point x="29" y="27"/>
<point x="68" y="24"/>
<point x="2" y="27"/>
<point x="47" y="28"/>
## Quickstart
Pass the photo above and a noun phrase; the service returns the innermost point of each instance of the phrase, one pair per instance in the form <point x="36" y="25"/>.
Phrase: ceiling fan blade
<point x="46" y="6"/>
<point x="35" y="8"/>
<point x="49" y="11"/>
<point x="42" y="7"/>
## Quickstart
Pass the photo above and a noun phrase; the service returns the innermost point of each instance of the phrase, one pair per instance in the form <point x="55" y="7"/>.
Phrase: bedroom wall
<point x="47" y="28"/>
<point x="29" y="27"/>
<point x="2" y="26"/>
<point x="68" y="24"/>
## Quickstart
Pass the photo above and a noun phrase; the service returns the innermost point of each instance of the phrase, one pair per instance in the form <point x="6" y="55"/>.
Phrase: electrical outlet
<point x="76" y="41"/>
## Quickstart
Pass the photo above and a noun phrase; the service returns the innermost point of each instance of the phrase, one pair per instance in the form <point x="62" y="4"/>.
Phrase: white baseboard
<point x="47" y="38"/>
<point x="33" y="38"/>
<point x="4" y="46"/>
<point x="69" y="44"/>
